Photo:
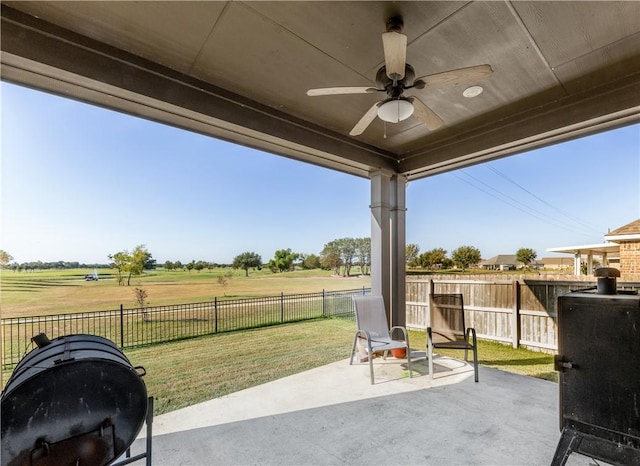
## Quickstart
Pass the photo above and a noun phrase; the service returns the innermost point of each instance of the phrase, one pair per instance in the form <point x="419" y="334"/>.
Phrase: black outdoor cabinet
<point x="599" y="365"/>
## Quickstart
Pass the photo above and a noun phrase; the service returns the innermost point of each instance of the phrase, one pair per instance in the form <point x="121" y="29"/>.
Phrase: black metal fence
<point x="143" y="326"/>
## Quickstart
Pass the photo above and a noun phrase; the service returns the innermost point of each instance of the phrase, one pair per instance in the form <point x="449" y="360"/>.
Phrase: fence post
<point x="121" y="327"/>
<point x="515" y="315"/>
<point x="215" y="313"/>
<point x="430" y="290"/>
<point x="281" y="307"/>
<point x="324" y="309"/>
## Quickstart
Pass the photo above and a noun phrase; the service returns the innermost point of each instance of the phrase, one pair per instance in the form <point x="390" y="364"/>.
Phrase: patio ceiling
<point x="239" y="71"/>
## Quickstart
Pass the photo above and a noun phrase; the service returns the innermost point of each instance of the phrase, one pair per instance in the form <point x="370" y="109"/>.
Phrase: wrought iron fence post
<point x="121" y="326"/>
<point x="281" y="307"/>
<point x="215" y="313"/>
<point x="324" y="310"/>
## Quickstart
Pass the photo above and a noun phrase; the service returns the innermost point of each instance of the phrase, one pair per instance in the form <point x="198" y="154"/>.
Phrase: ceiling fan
<point x="396" y="76"/>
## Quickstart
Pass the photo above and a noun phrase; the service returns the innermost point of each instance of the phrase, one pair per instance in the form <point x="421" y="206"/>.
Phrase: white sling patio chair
<point x="373" y="331"/>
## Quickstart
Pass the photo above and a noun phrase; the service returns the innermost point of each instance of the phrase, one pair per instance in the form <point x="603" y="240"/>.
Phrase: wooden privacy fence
<point x="521" y="311"/>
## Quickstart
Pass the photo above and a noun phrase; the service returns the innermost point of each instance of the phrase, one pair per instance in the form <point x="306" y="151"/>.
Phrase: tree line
<point x="6" y="258"/>
<point x="462" y="257"/>
<point x="339" y="255"/>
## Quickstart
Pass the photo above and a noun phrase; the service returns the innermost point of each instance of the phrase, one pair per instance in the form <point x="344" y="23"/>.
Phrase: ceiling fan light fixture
<point x="394" y="111"/>
<point x="473" y="91"/>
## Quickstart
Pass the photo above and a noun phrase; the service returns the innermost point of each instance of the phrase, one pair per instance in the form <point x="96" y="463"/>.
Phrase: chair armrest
<point x="364" y="333"/>
<point x="472" y="331"/>
<point x="404" y="333"/>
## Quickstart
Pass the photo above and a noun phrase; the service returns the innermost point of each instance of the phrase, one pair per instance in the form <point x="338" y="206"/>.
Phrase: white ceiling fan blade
<point x="395" y="53"/>
<point x="463" y="75"/>
<point x="365" y="121"/>
<point x="341" y="90"/>
<point x="425" y="114"/>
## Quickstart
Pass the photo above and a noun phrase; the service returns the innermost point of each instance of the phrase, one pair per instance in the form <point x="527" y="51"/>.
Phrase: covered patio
<point x="240" y="71"/>
<point x="333" y="415"/>
<point x="492" y="79"/>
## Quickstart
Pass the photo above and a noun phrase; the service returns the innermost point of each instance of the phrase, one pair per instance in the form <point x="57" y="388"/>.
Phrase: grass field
<point x="185" y="372"/>
<point x="213" y="366"/>
<point x="57" y="292"/>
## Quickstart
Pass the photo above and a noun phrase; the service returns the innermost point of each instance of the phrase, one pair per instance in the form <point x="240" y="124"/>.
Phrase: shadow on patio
<point x="332" y="415"/>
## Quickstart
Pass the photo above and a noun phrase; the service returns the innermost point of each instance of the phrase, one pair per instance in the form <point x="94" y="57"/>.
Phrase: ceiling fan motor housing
<point x="384" y="82"/>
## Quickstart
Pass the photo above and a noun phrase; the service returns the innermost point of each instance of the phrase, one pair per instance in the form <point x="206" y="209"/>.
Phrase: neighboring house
<point x="557" y="263"/>
<point x="628" y="237"/>
<point x="621" y="250"/>
<point x="500" y="262"/>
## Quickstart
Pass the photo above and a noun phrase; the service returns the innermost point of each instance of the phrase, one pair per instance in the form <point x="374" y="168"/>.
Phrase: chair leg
<point x="371" y="366"/>
<point x="353" y="349"/>
<point x="430" y="353"/>
<point x="475" y="353"/>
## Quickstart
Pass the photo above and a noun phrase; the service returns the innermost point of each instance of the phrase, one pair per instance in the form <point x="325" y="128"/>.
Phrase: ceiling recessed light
<point x="472" y="91"/>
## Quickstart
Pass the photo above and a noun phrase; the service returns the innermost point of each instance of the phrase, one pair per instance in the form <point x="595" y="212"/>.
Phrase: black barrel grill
<point x="599" y="365"/>
<point x="75" y="400"/>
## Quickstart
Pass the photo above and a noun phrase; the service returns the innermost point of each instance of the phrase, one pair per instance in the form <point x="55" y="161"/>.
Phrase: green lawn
<point x="48" y="292"/>
<point x="186" y="372"/>
<point x="500" y="356"/>
<point x="190" y="371"/>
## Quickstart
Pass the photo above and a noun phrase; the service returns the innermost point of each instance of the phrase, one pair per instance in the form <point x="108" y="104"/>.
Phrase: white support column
<point x="590" y="263"/>
<point x="398" y="251"/>
<point x="388" y="240"/>
<point x="380" y="236"/>
<point x="605" y="259"/>
<point x="576" y="264"/>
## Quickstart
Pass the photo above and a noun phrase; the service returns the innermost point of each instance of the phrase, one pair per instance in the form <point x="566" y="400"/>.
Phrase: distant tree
<point x="363" y="254"/>
<point x="247" y="260"/>
<point x="223" y="280"/>
<point x="282" y="260"/>
<point x="311" y="262"/>
<point x="141" y="296"/>
<point x="168" y="265"/>
<point x="344" y="253"/>
<point x="465" y="256"/>
<point x="432" y="258"/>
<point x="5" y="258"/>
<point x="139" y="257"/>
<point x="411" y="254"/>
<point x="178" y="265"/>
<point x="150" y="263"/>
<point x="191" y="265"/>
<point x="330" y="257"/>
<point x="120" y="262"/>
<point x="526" y="256"/>
<point x="347" y="254"/>
<point x="131" y="264"/>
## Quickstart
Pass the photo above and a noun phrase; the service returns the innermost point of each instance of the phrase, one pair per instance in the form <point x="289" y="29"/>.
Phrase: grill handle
<point x="560" y="365"/>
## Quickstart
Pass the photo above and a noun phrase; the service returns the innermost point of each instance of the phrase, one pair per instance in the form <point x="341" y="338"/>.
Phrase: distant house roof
<point x="628" y="232"/>
<point x="557" y="261"/>
<point x="501" y="259"/>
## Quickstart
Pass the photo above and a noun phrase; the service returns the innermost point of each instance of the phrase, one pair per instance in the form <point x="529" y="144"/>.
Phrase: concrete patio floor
<point x="333" y="415"/>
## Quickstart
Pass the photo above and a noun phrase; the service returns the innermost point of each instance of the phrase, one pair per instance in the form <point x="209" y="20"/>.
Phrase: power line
<point x="543" y="218"/>
<point x="566" y="214"/>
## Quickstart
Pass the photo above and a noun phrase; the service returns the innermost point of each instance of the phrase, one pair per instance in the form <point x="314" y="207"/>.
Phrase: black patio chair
<point x="447" y="329"/>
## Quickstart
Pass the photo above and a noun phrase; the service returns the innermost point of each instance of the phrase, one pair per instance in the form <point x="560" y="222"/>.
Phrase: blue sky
<point x="80" y="182"/>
